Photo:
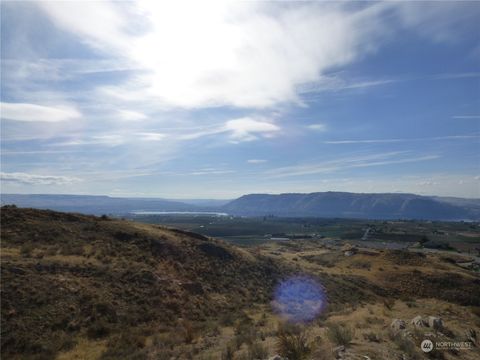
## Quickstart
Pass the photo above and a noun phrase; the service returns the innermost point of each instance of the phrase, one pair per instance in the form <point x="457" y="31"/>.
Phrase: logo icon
<point x="426" y="346"/>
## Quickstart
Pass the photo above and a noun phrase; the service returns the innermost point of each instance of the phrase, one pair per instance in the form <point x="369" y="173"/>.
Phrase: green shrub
<point x="257" y="351"/>
<point x="339" y="335"/>
<point x="292" y="343"/>
<point x="406" y="346"/>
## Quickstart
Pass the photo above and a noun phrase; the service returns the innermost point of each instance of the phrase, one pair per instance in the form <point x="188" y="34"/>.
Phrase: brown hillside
<point x="66" y="274"/>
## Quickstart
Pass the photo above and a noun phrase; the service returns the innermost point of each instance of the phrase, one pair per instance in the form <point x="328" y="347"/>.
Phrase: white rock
<point x="339" y="352"/>
<point x="418" y="321"/>
<point x="275" y="357"/>
<point x="398" y="324"/>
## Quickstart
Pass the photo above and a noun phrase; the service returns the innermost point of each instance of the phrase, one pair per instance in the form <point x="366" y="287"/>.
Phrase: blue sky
<point x="220" y="99"/>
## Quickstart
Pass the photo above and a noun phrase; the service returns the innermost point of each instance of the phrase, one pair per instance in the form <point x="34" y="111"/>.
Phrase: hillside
<point x="352" y="205"/>
<point x="69" y="275"/>
<point x="85" y="287"/>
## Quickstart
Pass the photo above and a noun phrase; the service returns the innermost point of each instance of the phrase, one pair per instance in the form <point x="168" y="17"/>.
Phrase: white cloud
<point x="317" y="127"/>
<point x="360" y="161"/>
<point x="256" y="161"/>
<point x="151" y="136"/>
<point x="129" y="115"/>
<point x="247" y="129"/>
<point x="107" y="140"/>
<point x="213" y="55"/>
<point x="99" y="24"/>
<point x="34" y="112"/>
<point x="33" y="179"/>
<point x="238" y="130"/>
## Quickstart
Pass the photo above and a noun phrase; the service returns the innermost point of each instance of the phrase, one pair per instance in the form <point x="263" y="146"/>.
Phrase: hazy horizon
<point x="215" y="100"/>
<point x="166" y="197"/>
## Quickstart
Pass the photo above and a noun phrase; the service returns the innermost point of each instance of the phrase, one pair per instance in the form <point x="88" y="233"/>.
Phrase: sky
<point x="205" y="99"/>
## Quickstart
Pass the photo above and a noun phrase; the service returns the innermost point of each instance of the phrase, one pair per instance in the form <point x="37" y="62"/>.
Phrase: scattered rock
<point x="339" y="352"/>
<point x="418" y="321"/>
<point x="275" y="357"/>
<point x="349" y="247"/>
<point x="398" y="324"/>
<point x="435" y="322"/>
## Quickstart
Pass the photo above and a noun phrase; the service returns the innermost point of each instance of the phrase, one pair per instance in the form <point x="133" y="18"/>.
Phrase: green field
<point x="256" y="231"/>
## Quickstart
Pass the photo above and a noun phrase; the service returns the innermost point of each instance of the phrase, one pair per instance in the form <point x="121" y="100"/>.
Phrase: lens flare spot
<point x="299" y="299"/>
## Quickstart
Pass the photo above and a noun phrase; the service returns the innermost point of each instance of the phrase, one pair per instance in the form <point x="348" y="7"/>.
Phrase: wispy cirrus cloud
<point x="151" y="136"/>
<point x="341" y="82"/>
<point x="466" y="117"/>
<point x="34" y="112"/>
<point x="459" y="75"/>
<point x="317" y="127"/>
<point x="130" y="115"/>
<point x="35" y="179"/>
<point x="382" y="141"/>
<point x="345" y="163"/>
<point x="237" y="130"/>
<point x="211" y="172"/>
<point x="256" y="161"/>
<point x="234" y="130"/>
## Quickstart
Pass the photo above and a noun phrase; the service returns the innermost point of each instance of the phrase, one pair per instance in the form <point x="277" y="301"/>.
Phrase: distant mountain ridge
<point x="354" y="205"/>
<point x="94" y="204"/>
<point x="318" y="204"/>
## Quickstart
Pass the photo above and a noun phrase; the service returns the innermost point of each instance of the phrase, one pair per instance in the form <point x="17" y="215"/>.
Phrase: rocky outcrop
<point x="418" y="321"/>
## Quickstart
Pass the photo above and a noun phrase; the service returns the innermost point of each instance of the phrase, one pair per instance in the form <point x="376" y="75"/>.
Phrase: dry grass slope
<point x="69" y="276"/>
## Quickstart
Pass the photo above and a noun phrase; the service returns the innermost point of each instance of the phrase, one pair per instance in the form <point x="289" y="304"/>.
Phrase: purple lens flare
<point x="299" y="299"/>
